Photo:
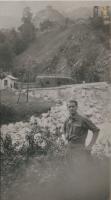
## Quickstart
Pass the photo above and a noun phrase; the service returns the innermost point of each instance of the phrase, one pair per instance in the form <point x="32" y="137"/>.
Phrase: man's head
<point x="72" y="106"/>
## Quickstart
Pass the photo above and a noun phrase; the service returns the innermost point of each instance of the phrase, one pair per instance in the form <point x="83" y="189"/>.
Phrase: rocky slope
<point x="79" y="50"/>
<point x="50" y="127"/>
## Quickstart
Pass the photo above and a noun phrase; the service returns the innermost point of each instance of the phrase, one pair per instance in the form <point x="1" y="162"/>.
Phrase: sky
<point x="11" y="11"/>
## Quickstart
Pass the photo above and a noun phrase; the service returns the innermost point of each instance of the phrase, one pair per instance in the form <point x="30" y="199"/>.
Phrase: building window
<point x="5" y="82"/>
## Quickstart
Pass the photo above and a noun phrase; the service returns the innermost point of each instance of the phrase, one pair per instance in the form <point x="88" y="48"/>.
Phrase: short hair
<point x="72" y="101"/>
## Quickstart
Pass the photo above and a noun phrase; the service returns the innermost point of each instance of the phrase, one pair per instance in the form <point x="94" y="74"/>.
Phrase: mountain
<point x="50" y="14"/>
<point x="79" y="50"/>
<point x="43" y="50"/>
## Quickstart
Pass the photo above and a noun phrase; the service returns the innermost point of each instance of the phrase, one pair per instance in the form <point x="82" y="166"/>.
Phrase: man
<point x="80" y="167"/>
<point x="86" y="175"/>
<point x="76" y="127"/>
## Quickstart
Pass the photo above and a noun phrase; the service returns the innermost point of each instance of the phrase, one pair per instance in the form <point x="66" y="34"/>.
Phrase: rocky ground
<point x="51" y="125"/>
<point x="32" y="151"/>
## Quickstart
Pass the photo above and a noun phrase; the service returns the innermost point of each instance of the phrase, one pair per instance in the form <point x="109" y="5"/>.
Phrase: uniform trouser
<point x="77" y="153"/>
<point x="87" y="176"/>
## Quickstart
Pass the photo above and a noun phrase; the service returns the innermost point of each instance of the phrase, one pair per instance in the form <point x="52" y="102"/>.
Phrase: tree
<point x="16" y="41"/>
<point x="27" y="15"/>
<point x="2" y="37"/>
<point x="6" y="56"/>
<point x="27" y="29"/>
<point x="13" y="38"/>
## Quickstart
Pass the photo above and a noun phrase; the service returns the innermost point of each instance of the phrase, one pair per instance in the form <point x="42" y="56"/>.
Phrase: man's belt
<point x="73" y="138"/>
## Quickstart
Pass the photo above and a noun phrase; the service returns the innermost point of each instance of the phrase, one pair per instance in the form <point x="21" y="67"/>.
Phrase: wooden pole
<point x="20" y="93"/>
<point x="19" y="96"/>
<point x="27" y="86"/>
<point x="1" y="109"/>
<point x="110" y="179"/>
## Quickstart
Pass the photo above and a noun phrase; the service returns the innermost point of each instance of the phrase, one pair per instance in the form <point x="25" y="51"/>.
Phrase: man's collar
<point x="73" y="117"/>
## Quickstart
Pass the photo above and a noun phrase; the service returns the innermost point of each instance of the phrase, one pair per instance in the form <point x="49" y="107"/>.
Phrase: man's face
<point x="72" y="107"/>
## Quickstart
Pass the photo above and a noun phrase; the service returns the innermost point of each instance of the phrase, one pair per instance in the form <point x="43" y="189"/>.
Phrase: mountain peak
<point x="49" y="13"/>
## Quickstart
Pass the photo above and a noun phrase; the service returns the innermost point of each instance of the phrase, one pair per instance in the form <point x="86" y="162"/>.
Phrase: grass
<point x="12" y="112"/>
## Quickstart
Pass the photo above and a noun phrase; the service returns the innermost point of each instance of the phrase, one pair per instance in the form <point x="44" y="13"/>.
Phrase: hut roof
<point x="12" y="77"/>
<point x="53" y="76"/>
<point x="4" y="75"/>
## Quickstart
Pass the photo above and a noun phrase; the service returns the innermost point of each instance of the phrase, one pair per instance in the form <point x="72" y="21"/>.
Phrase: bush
<point x="7" y="114"/>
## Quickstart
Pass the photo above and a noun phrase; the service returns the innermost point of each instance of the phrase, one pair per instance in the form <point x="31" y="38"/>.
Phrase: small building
<point x="7" y="81"/>
<point x="53" y="80"/>
<point x="102" y="11"/>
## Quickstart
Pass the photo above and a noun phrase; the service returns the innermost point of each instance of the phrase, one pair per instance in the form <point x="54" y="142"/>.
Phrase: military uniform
<point x="76" y="129"/>
<point x="86" y="174"/>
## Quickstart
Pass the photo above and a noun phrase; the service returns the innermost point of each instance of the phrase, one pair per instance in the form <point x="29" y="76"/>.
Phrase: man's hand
<point x="66" y="142"/>
<point x="64" y="139"/>
<point x="93" y="141"/>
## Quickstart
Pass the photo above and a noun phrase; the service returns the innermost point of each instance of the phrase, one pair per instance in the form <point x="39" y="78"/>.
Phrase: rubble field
<point x="49" y="126"/>
<point x="42" y="137"/>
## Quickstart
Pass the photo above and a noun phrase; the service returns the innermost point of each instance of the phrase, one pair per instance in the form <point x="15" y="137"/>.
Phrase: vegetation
<point x="10" y="111"/>
<point x="36" y="141"/>
<point x="39" y="139"/>
<point x="27" y="29"/>
<point x="14" y="42"/>
<point x="80" y="48"/>
<point x="6" y="56"/>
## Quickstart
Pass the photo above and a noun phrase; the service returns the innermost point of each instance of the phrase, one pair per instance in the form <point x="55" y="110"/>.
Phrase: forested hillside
<point x="79" y="49"/>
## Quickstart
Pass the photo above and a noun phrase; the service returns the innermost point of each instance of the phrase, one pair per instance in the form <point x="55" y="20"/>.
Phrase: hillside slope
<point x="78" y="50"/>
<point x="43" y="49"/>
